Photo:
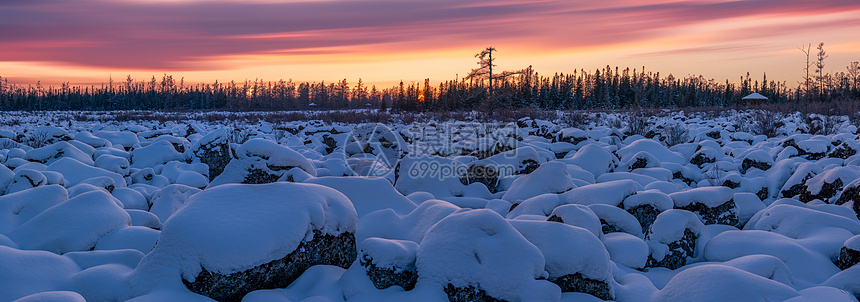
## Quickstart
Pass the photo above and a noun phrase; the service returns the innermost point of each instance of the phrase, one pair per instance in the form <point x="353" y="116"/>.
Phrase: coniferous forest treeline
<point x="608" y="88"/>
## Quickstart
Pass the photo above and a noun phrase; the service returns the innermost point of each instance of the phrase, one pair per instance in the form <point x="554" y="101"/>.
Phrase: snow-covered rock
<point x="713" y="205"/>
<point x="232" y="239"/>
<point x="676" y="238"/>
<point x="478" y="255"/>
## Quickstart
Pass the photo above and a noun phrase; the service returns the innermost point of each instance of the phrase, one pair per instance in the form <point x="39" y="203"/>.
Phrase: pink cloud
<point x="187" y="35"/>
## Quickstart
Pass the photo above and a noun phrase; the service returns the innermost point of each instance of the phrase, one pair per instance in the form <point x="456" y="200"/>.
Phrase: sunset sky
<point x="385" y="41"/>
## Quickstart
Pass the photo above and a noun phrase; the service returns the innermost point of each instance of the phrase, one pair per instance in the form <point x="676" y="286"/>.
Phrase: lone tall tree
<point x="485" y="61"/>
<point x="819" y="69"/>
<point x="806" y="79"/>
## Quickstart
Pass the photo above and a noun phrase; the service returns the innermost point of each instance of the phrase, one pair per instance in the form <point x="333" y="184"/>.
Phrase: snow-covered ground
<point x="531" y="210"/>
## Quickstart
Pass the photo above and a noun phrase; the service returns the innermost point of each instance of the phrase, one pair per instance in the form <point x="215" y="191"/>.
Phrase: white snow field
<point x="532" y="210"/>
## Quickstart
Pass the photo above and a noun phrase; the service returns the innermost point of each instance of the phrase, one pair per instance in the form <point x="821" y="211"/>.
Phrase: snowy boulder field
<point x="692" y="207"/>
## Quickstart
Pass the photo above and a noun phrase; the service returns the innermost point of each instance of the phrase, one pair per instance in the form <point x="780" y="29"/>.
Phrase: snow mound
<point x="387" y="253"/>
<point x="479" y="250"/>
<point x="804" y="263"/>
<point x="49" y="154"/>
<point x="556" y="241"/>
<point x="236" y="227"/>
<point x="30" y="272"/>
<point x="676" y="238"/>
<point x="53" y="296"/>
<point x="708" y="196"/>
<point x="368" y="194"/>
<point x="75" y="172"/>
<point x="579" y="216"/>
<point x="592" y="158"/>
<point x="77" y="224"/>
<point x="551" y="177"/>
<point x="795" y="221"/>
<point x="626" y="249"/>
<point x="263" y="161"/>
<point x="20" y="207"/>
<point x="611" y="193"/>
<point x="718" y="283"/>
<point x="389" y="224"/>
<point x="651" y="147"/>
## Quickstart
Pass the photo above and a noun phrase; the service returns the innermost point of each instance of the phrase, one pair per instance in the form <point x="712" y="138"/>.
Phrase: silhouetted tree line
<point x="607" y="88"/>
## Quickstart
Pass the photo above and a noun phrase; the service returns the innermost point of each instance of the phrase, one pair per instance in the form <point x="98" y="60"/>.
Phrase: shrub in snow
<point x="478" y="256"/>
<point x="571" y="135"/>
<point x="676" y="238"/>
<point x="713" y="205"/>
<point x="586" y="271"/>
<point x="849" y="254"/>
<point x="538" y="127"/>
<point x="262" y="161"/>
<point x="230" y="240"/>
<point x="850" y="194"/>
<point x="214" y="151"/>
<point x="704" y="156"/>
<point x="797" y="182"/>
<point x="813" y="149"/>
<point x="827" y="184"/>
<point x="646" y="205"/>
<point x="484" y="172"/>
<point x="756" y="159"/>
<point x="45" y="135"/>
<point x="376" y="139"/>
<point x="714" y="282"/>
<point x="641" y="159"/>
<point x="389" y="262"/>
<point x="845" y="150"/>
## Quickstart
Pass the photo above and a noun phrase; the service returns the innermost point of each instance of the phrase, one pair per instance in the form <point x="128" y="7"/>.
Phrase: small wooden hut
<point x="754" y="99"/>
